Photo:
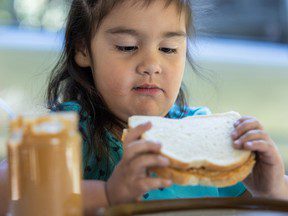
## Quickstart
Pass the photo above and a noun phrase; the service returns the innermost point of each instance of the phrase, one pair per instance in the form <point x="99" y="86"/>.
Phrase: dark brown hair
<point x="69" y="82"/>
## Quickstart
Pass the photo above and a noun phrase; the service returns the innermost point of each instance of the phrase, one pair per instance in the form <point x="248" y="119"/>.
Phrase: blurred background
<point x="241" y="50"/>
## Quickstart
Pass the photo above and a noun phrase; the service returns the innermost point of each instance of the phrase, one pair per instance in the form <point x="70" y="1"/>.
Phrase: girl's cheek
<point x="118" y="85"/>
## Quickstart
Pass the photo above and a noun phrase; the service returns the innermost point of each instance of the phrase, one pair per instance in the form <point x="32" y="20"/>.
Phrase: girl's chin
<point x="150" y="111"/>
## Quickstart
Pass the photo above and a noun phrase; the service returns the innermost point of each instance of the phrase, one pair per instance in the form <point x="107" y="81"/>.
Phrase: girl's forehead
<point x="157" y="13"/>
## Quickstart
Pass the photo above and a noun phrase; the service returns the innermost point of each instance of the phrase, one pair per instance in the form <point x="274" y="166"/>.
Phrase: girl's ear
<point x="82" y="57"/>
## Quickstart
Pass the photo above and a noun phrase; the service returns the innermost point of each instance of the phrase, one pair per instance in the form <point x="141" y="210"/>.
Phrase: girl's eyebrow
<point x="135" y="33"/>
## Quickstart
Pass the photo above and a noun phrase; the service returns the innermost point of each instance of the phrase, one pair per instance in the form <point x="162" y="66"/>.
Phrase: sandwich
<point x="200" y="149"/>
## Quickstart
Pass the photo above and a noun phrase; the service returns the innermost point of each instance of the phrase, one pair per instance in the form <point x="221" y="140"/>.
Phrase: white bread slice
<point x="196" y="141"/>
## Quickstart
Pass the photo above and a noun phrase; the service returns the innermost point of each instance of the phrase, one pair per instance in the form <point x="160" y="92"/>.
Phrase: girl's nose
<point x="149" y="67"/>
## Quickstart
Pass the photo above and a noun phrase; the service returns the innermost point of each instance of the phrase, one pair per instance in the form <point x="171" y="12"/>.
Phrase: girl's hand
<point x="268" y="176"/>
<point x="130" y="179"/>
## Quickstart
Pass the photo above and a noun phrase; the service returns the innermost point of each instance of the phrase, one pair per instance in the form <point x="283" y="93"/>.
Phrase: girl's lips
<point x="147" y="91"/>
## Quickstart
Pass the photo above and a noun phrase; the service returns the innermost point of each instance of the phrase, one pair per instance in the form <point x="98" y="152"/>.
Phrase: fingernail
<point x="158" y="143"/>
<point x="234" y="134"/>
<point x="165" y="161"/>
<point x="146" y="123"/>
<point x="168" y="183"/>
<point x="158" y="146"/>
<point x="237" y="142"/>
<point x="249" y="143"/>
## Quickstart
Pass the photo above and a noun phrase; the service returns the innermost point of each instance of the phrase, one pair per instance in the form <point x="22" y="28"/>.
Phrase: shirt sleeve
<point x="232" y="191"/>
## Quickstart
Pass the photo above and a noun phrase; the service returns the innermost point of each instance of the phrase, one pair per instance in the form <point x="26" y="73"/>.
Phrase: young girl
<point x="127" y="57"/>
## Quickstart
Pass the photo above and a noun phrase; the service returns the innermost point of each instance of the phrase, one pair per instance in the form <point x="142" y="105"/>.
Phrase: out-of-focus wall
<point x="26" y="59"/>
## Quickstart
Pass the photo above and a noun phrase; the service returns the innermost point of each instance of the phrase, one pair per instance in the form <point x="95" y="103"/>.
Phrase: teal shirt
<point x="96" y="168"/>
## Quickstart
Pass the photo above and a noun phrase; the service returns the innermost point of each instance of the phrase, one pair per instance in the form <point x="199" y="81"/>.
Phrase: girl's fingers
<point x="140" y="147"/>
<point x="135" y="133"/>
<point x="146" y="184"/>
<point x="251" y="135"/>
<point x="243" y="118"/>
<point x="140" y="164"/>
<point x="246" y="125"/>
<point x="258" y="145"/>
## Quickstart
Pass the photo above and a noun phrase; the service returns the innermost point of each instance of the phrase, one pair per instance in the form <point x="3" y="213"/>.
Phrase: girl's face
<point x="139" y="58"/>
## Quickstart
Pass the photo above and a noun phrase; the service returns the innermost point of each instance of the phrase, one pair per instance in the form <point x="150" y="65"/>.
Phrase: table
<point x="198" y="206"/>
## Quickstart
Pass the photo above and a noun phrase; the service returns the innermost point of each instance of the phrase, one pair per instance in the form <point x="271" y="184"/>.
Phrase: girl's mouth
<point x="153" y="91"/>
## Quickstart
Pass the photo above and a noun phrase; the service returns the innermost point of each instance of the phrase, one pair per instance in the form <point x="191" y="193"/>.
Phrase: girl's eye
<point x="168" y="50"/>
<point x="127" y="48"/>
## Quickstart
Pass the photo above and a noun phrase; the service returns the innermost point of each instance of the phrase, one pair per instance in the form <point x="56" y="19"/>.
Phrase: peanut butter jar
<point x="44" y="156"/>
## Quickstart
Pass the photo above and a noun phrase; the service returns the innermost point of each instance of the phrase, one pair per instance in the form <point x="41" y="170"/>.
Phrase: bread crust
<point x="207" y="177"/>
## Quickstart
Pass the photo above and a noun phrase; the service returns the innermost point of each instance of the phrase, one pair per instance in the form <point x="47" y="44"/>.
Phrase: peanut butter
<point x="44" y="155"/>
